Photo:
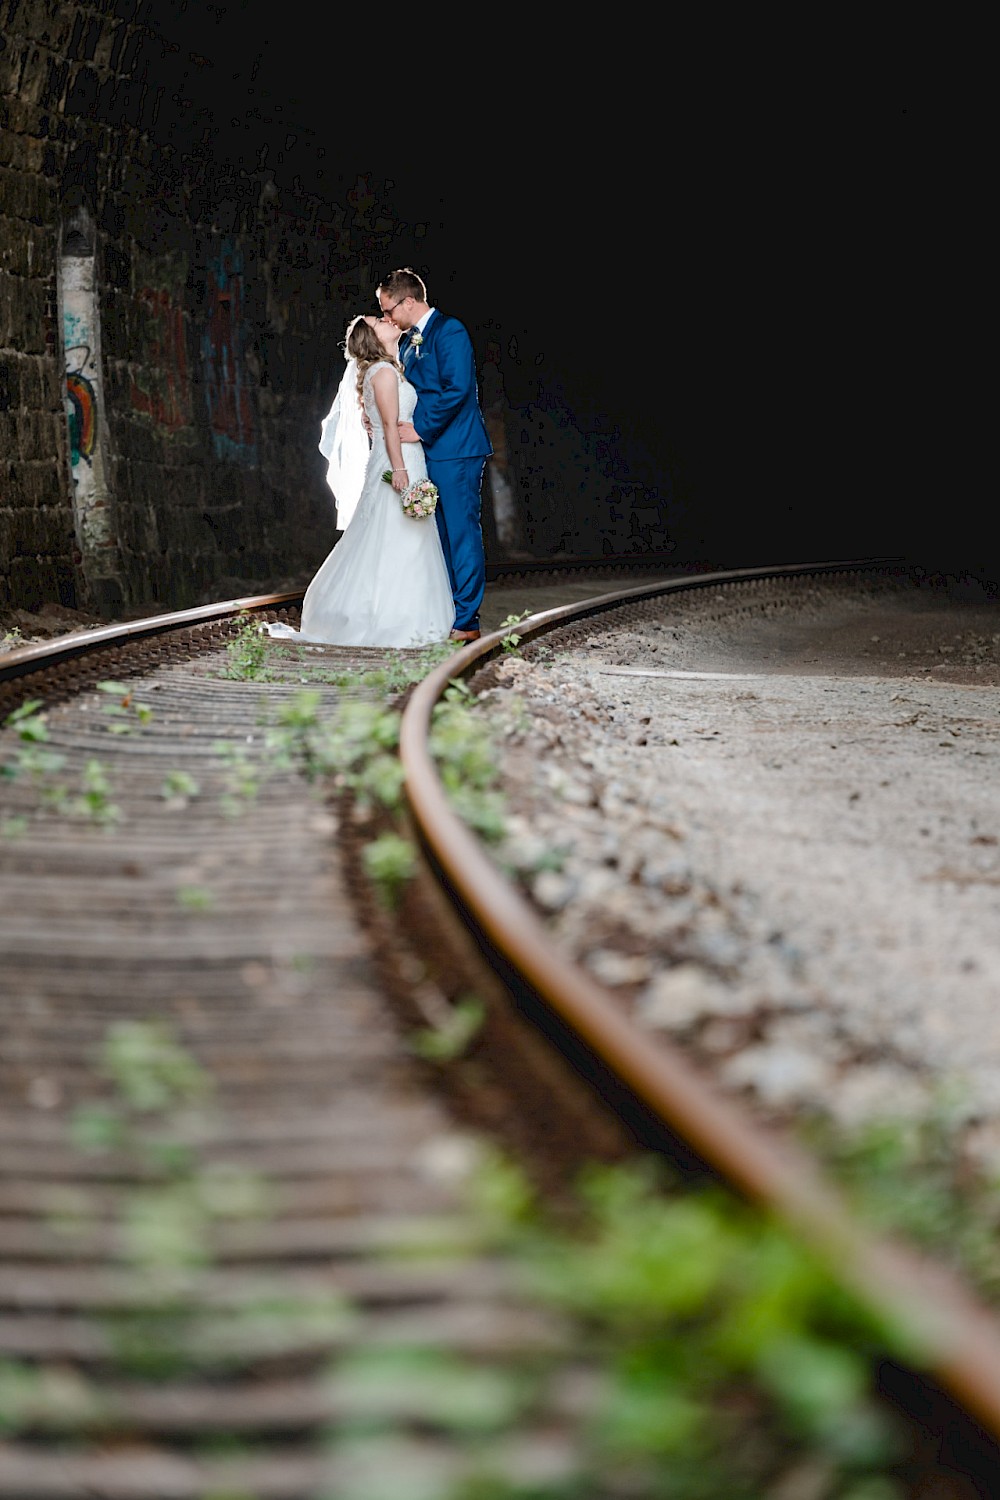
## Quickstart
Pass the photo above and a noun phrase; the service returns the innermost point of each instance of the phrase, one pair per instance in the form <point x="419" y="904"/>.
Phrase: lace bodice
<point x="407" y="399"/>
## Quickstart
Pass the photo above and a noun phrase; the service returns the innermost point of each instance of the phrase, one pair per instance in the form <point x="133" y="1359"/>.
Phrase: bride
<point x="385" y="583"/>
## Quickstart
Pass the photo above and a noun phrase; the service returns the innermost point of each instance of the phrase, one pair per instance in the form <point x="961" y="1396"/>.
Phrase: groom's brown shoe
<point x="464" y="635"/>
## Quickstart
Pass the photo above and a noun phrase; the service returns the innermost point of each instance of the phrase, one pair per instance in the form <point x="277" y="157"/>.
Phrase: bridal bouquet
<point x="419" y="500"/>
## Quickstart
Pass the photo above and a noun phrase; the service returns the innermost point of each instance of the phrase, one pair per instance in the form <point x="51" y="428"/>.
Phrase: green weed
<point x="179" y="788"/>
<point x="59" y="1399"/>
<point x="196" y="898"/>
<point x="165" y="1224"/>
<point x="93" y="801"/>
<point x="150" y="1070"/>
<point x="723" y="1358"/>
<point x="390" y="862"/>
<point x="247" y="652"/>
<point x="356" y="746"/>
<point x="241" y="777"/>
<point x="396" y="674"/>
<point x="465" y="754"/>
<point x="511" y="640"/>
<point x="28" y="721"/>
<point x="290" y="743"/>
<point x="909" y="1177"/>
<point x="702" y="1354"/>
<point x="450" y="1039"/>
<point x="123" y="709"/>
<point x="32" y="759"/>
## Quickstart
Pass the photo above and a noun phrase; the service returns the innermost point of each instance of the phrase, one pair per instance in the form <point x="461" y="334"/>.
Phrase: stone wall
<point x="169" y="324"/>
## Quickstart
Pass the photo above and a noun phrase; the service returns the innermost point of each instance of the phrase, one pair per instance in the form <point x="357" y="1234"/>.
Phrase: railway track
<point x="205" y="989"/>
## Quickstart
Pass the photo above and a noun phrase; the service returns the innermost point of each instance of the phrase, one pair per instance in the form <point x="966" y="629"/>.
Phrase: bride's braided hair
<point x="361" y="343"/>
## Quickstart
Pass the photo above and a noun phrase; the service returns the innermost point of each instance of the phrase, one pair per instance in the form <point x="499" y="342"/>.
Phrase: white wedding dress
<point x="385" y="583"/>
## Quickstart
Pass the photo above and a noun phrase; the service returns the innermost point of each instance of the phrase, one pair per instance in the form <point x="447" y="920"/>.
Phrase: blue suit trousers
<point x="459" y="482"/>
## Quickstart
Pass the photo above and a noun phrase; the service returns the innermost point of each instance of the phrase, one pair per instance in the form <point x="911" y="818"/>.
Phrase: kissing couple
<point x="407" y="410"/>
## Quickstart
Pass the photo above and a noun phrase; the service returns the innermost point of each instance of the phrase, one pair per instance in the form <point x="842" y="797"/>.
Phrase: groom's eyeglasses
<point x="387" y="310"/>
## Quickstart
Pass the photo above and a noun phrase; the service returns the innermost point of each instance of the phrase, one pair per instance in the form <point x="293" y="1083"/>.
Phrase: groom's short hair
<point x="402" y="283"/>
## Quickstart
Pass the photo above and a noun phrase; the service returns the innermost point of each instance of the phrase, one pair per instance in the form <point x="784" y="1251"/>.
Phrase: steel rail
<point x="25" y="659"/>
<point x="956" y="1338"/>
<point x="959" y="1336"/>
<point x="21" y="660"/>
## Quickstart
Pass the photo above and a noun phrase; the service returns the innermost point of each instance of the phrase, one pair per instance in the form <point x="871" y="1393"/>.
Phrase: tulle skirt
<point x="385" y="583"/>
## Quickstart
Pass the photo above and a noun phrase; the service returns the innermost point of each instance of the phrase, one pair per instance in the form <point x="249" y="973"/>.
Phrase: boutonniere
<point x="416" y="341"/>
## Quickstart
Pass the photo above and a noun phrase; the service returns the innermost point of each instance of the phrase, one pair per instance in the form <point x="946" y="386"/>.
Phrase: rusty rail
<point x="958" y="1338"/>
<point x="26" y="659"/>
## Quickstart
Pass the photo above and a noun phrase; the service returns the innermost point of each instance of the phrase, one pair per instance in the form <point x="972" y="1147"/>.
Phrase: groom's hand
<point x="408" y="433"/>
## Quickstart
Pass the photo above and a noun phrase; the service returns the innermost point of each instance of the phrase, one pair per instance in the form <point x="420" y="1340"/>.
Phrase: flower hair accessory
<point x="419" y="500"/>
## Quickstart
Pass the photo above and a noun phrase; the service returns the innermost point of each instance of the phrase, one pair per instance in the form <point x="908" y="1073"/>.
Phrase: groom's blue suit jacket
<point x="442" y="370"/>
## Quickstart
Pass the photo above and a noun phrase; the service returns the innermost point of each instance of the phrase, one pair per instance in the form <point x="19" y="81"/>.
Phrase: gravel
<point x="768" y="821"/>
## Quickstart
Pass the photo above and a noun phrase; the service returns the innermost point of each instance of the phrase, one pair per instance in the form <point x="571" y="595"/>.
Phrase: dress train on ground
<point x="385" y="583"/>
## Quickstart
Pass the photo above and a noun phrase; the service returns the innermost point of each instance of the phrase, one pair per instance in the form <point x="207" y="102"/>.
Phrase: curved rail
<point x="959" y="1338"/>
<point x="25" y="659"/>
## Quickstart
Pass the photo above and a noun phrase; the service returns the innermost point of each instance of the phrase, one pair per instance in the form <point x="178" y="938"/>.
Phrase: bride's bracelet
<point x="399" y="471"/>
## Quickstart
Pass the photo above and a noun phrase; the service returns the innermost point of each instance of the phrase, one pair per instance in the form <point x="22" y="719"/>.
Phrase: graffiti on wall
<point x="84" y="400"/>
<point x="81" y="406"/>
<point x="231" y="413"/>
<point x="159" y="385"/>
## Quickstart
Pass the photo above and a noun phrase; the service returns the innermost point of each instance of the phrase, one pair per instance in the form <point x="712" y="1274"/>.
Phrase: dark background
<point x="725" y="259"/>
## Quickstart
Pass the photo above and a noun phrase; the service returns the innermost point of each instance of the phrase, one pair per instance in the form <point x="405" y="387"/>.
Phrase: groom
<point x="436" y="353"/>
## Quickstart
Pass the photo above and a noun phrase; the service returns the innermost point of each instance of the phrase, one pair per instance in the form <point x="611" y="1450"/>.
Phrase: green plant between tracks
<point x="159" y="1102"/>
<point x="756" y="1377"/>
<point x="723" y="1361"/>
<point x="247" y="653"/>
<point x="90" y="799"/>
<point x="511" y="638"/>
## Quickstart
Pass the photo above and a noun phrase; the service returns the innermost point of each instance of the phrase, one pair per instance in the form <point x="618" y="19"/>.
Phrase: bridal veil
<point x="344" y="444"/>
